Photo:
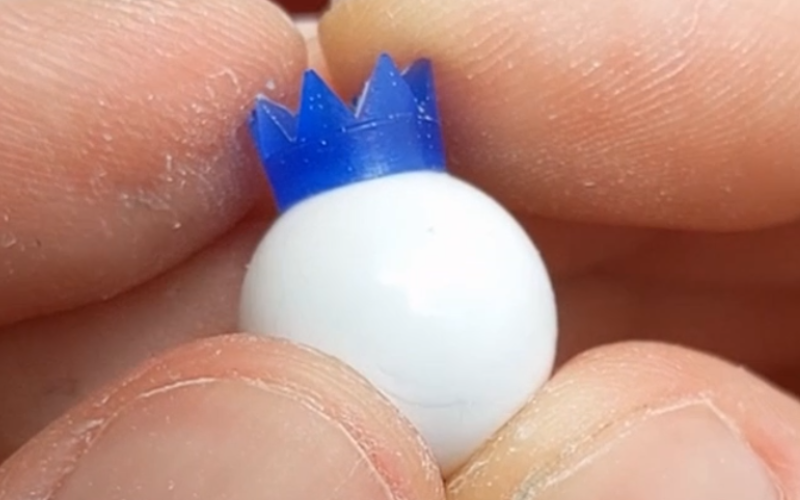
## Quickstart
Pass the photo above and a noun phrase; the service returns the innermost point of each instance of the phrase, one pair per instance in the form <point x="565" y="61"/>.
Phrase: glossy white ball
<point x="424" y="285"/>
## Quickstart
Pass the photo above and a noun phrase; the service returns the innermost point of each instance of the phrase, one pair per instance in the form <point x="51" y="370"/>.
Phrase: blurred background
<point x="302" y="6"/>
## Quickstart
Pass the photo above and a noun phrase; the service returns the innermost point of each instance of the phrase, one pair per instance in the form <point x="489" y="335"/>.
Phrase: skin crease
<point x="664" y="212"/>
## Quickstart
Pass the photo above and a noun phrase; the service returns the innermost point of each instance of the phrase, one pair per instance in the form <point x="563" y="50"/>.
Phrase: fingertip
<point x="626" y="112"/>
<point x="123" y="150"/>
<point x="232" y="416"/>
<point x="643" y="418"/>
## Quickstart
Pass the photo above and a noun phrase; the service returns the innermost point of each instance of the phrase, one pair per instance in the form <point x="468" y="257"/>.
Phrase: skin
<point x="649" y="147"/>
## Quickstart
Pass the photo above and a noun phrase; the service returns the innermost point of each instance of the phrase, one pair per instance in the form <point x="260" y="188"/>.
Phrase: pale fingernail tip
<point x="688" y="453"/>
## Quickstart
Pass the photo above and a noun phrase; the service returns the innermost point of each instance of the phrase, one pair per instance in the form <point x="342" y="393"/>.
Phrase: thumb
<point x="228" y="418"/>
<point x="644" y="421"/>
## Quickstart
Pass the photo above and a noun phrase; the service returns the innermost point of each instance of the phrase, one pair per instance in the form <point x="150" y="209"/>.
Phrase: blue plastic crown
<point x="393" y="128"/>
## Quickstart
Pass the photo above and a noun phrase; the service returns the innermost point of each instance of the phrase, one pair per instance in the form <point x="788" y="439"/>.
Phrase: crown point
<point x="272" y="126"/>
<point x="419" y="78"/>
<point x="321" y="111"/>
<point x="386" y="94"/>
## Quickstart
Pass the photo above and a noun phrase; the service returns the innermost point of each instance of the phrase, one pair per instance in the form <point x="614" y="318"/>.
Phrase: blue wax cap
<point x="393" y="128"/>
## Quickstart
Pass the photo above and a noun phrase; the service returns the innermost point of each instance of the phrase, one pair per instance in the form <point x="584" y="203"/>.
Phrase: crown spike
<point x="419" y="78"/>
<point x="386" y="94"/>
<point x="321" y="111"/>
<point x="326" y="145"/>
<point x="272" y="125"/>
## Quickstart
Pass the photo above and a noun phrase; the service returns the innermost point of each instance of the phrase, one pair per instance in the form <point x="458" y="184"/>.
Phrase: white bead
<point x="424" y="285"/>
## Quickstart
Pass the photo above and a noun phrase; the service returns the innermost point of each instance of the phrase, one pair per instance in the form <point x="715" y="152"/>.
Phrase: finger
<point x="49" y="364"/>
<point x="121" y="150"/>
<point x="677" y="114"/>
<point x="232" y="417"/>
<point x="644" y="421"/>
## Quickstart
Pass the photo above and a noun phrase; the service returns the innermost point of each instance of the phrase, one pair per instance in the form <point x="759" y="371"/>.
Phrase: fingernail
<point x="685" y="454"/>
<point x="222" y="439"/>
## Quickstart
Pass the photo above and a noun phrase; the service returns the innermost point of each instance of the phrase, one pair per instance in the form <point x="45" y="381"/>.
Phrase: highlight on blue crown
<point x="392" y="127"/>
